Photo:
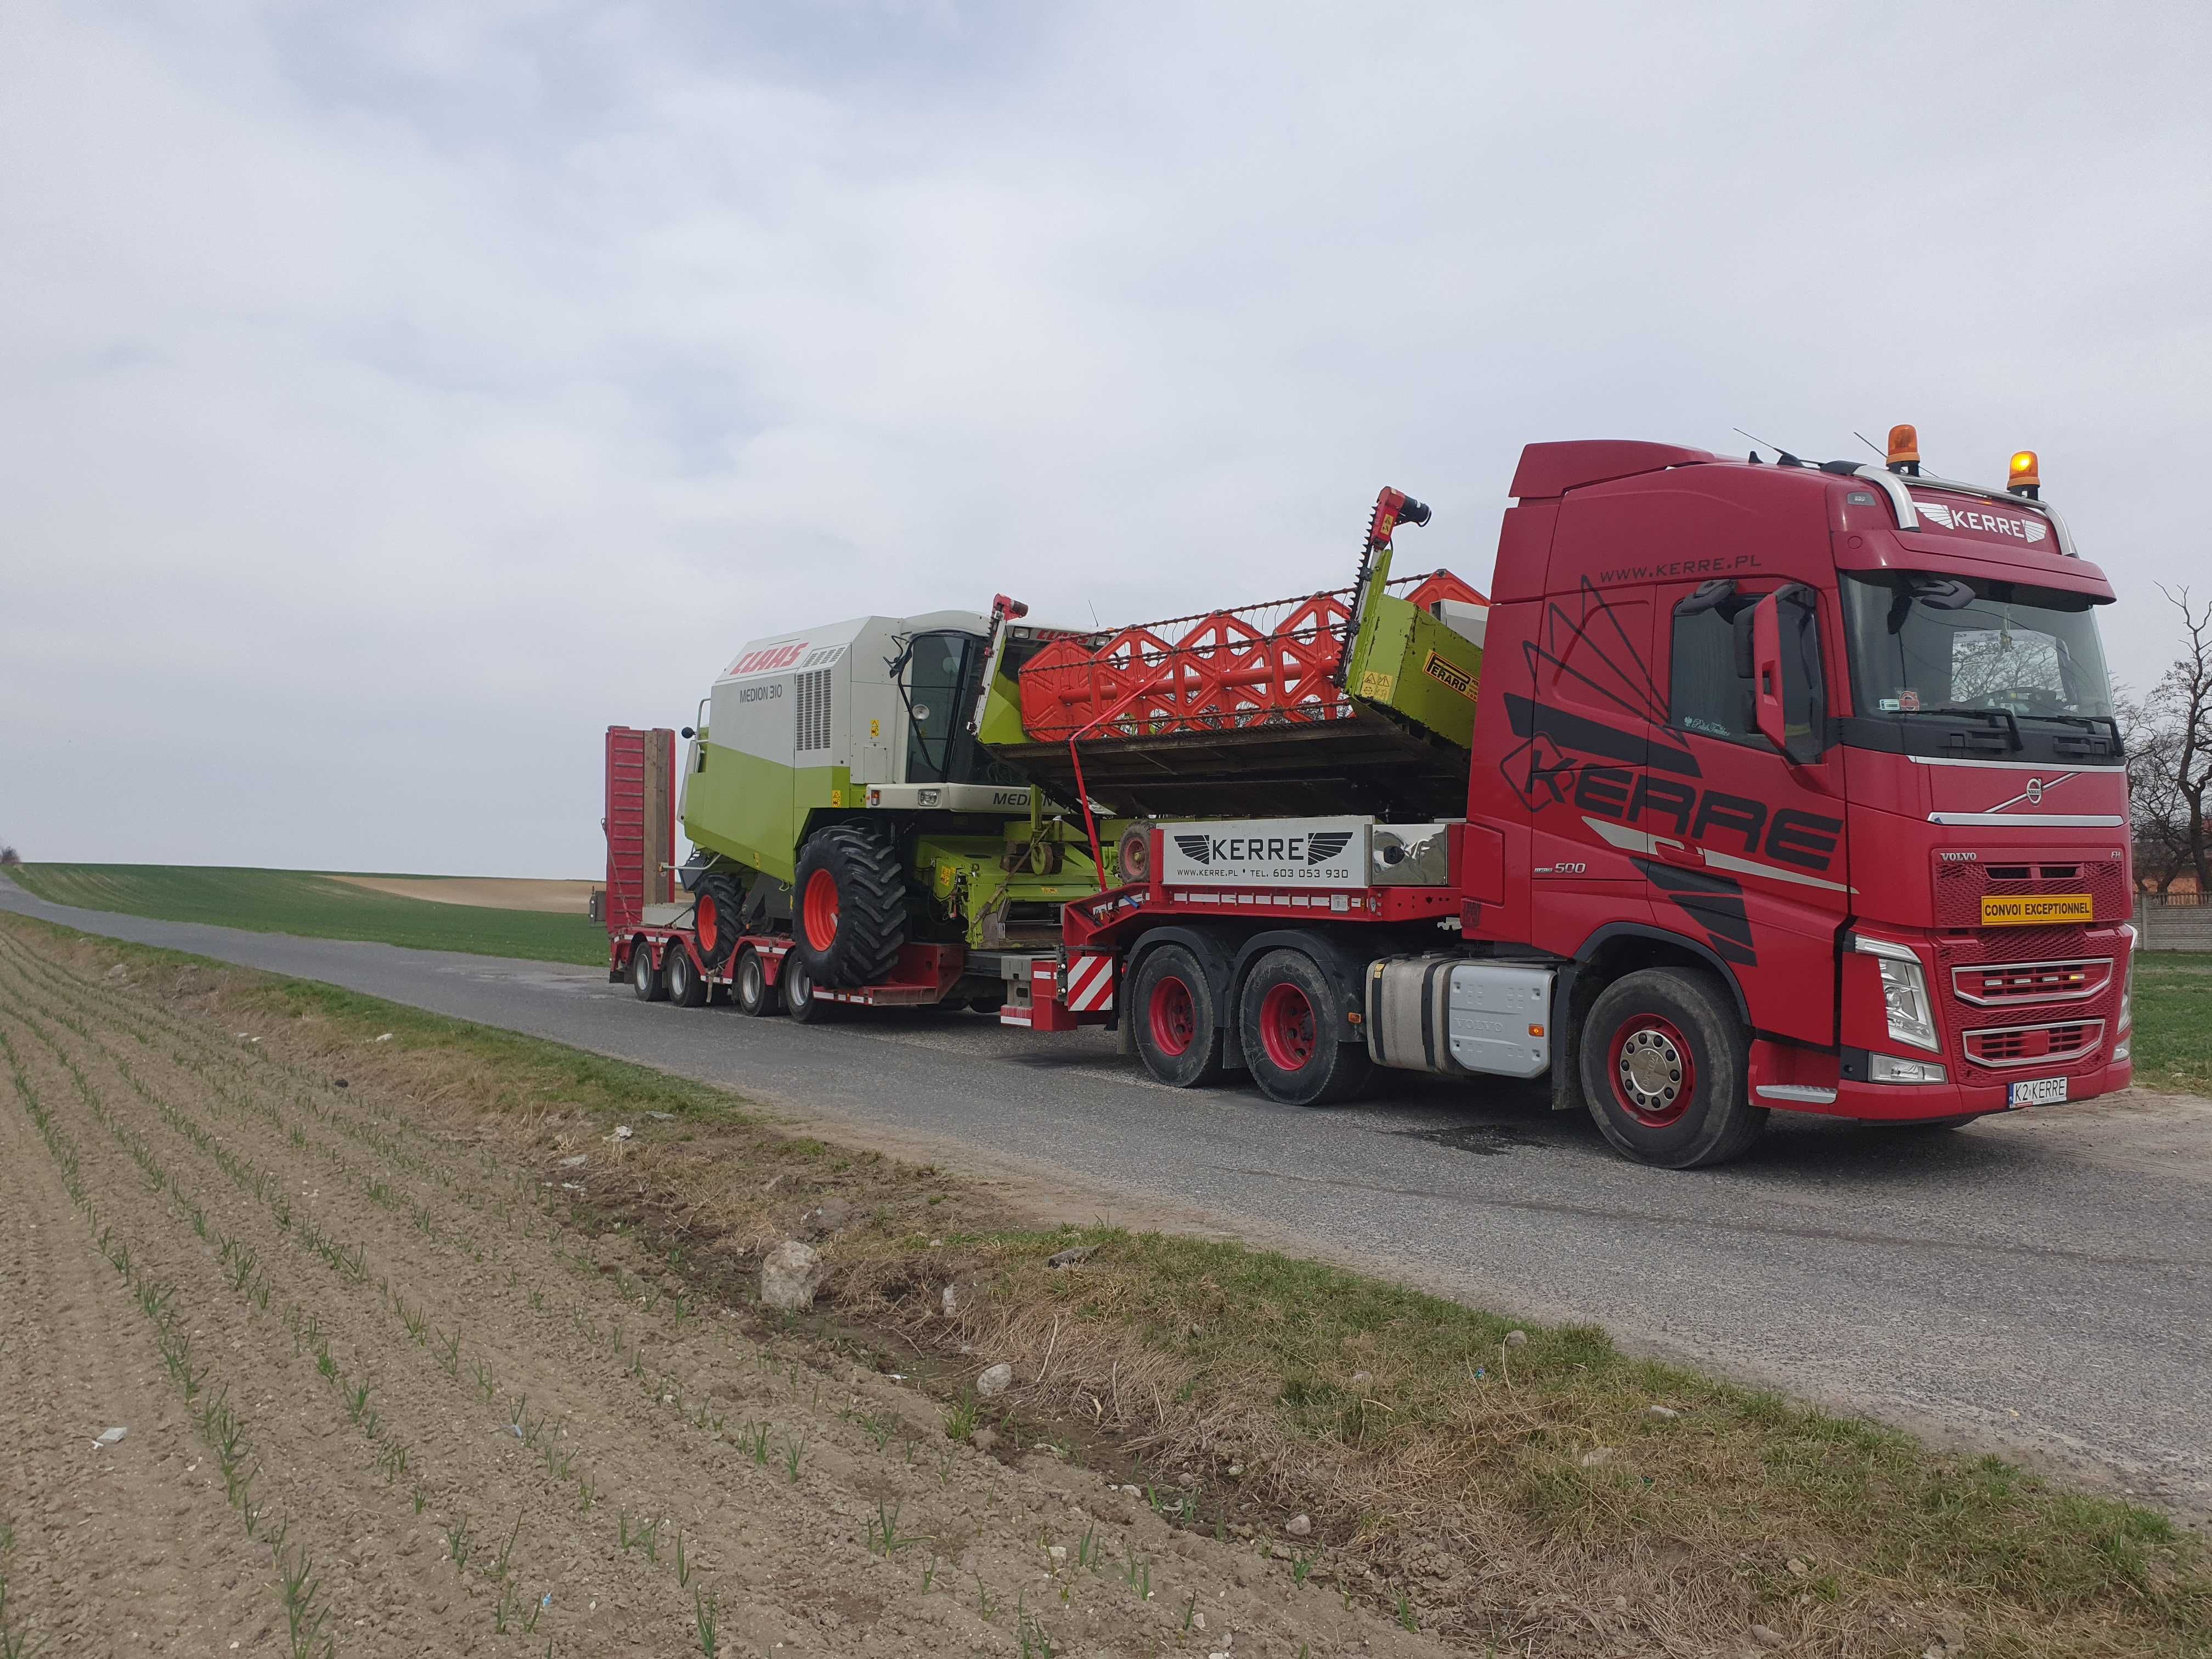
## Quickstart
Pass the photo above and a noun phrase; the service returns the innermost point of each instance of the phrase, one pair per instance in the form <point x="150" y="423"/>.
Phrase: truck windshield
<point x="1924" y="643"/>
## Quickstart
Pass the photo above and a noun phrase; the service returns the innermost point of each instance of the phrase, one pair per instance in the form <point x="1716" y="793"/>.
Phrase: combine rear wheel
<point x="852" y="907"/>
<point x="718" y="917"/>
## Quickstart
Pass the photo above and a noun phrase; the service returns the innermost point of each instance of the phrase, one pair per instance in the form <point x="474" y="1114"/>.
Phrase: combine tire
<point x="645" y="981"/>
<point x="851" y="908"/>
<point x="687" y="989"/>
<point x="748" y="987"/>
<point x="1665" y="1070"/>
<point x="1178" y="1036"/>
<point x="1287" y="1020"/>
<point x="718" y="916"/>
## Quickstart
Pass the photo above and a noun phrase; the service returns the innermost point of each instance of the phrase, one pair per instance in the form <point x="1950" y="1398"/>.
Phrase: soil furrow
<point x="891" y="1538"/>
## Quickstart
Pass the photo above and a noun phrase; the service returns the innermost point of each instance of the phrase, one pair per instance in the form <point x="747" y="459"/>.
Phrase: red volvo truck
<point x="1790" y="785"/>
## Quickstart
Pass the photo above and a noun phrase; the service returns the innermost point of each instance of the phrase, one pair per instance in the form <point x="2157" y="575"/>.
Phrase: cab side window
<point x="1710" y="690"/>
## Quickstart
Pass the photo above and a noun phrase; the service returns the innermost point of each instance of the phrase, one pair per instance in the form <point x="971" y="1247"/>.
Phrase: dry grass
<point x="1514" y="1496"/>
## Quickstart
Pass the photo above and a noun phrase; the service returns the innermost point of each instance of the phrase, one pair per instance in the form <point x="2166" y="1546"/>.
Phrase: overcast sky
<point x="392" y="396"/>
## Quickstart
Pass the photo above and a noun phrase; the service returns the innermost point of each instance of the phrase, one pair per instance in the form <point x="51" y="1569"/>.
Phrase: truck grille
<point x="2035" y="1045"/>
<point x="1960" y="887"/>
<point x="2056" y="1001"/>
<point x="2011" y="983"/>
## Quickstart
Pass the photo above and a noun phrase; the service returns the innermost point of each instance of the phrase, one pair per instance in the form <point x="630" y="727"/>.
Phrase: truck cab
<point x="1837" y="738"/>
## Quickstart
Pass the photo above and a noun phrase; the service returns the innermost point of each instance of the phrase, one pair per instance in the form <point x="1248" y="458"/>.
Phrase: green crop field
<point x="307" y="903"/>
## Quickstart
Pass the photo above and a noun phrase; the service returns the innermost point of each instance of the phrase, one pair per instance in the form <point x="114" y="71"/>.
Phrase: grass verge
<point x="1531" y="1492"/>
<point x="306" y="902"/>
<point x="2173" y="1020"/>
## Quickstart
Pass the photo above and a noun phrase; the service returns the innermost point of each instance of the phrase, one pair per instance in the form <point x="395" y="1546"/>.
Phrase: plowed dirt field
<point x="380" y="1400"/>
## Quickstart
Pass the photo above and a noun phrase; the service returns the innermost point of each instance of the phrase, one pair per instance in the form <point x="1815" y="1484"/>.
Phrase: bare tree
<point x="9" y="855"/>
<point x="2176" y="773"/>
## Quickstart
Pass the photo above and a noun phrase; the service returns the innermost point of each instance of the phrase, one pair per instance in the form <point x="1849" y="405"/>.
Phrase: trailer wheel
<point x="748" y="987"/>
<point x="852" y="907"/>
<point x="1665" y="1070"/>
<point x="645" y="981"/>
<point x="1178" y="1032"/>
<point x="687" y="988"/>
<point x="1285" y="1017"/>
<point x="718" y="918"/>
<point x="799" y="1001"/>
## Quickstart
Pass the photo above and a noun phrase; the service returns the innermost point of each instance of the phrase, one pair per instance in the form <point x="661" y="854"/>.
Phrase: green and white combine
<point x="837" y="791"/>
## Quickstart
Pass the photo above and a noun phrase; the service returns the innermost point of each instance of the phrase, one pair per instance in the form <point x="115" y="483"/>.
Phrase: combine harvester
<point x="1787" y="785"/>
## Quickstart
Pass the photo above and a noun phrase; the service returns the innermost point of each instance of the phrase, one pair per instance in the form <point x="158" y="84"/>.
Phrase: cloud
<point x="389" y="399"/>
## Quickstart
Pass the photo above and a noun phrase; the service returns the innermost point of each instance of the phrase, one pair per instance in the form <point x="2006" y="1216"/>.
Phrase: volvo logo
<point x="2035" y="791"/>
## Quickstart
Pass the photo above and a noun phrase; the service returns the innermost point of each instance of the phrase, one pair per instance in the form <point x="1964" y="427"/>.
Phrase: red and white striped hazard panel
<point x="1091" y="982"/>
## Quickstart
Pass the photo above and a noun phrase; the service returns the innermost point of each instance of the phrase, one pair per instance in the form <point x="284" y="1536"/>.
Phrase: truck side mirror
<point x="1789" y="697"/>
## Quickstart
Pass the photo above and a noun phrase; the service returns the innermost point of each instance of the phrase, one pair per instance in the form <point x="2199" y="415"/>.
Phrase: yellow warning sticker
<point x="1377" y="684"/>
<point x="2037" y="910"/>
<point x="1451" y="674"/>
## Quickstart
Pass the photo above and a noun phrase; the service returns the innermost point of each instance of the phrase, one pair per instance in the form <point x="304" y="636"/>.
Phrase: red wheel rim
<point x="1652" y="1070"/>
<point x="821" y="909"/>
<point x="1173" y="1016"/>
<point x="1286" y="1027"/>
<point x="706" y="922"/>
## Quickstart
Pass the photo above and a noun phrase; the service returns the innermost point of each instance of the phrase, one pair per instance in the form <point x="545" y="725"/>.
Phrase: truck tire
<point x="1171" y="1004"/>
<point x="799" y="1001"/>
<point x="645" y="981"/>
<point x="1665" y="1071"/>
<point x="1285" y="1017"/>
<point x="718" y="912"/>
<point x="851" y="906"/>
<point x="686" y="987"/>
<point x="749" y="986"/>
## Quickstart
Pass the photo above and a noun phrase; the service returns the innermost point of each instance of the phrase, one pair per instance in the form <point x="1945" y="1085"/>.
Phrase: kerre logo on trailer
<point x="766" y="660"/>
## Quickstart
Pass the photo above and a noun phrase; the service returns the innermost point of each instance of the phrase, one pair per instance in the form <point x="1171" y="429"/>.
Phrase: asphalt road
<point x="2041" y="1284"/>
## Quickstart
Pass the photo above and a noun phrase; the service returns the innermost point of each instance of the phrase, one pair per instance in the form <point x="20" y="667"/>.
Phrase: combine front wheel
<point x="852" y="907"/>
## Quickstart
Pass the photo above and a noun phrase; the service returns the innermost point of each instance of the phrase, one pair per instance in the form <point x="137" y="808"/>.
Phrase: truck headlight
<point x="2127" y="991"/>
<point x="1903" y="991"/>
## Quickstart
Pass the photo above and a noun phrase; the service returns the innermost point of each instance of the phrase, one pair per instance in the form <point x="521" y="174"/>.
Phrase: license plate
<point x="2037" y="910"/>
<point x="2037" y="1092"/>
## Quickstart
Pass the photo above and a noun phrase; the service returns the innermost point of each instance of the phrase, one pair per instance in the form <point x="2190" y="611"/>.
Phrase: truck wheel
<point x="852" y="907"/>
<point x="1178" y="1034"/>
<point x="1665" y="1070"/>
<point x="718" y="913"/>
<point x="687" y="988"/>
<point x="797" y="982"/>
<point x="645" y="981"/>
<point x="1286" y="1019"/>
<point x="748" y="987"/>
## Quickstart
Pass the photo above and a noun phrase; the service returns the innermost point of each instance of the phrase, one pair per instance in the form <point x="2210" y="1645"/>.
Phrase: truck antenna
<point x="1787" y="459"/>
<point x="1870" y="444"/>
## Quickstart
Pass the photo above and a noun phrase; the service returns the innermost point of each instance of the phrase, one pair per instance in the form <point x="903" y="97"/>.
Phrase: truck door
<point x="1748" y="857"/>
